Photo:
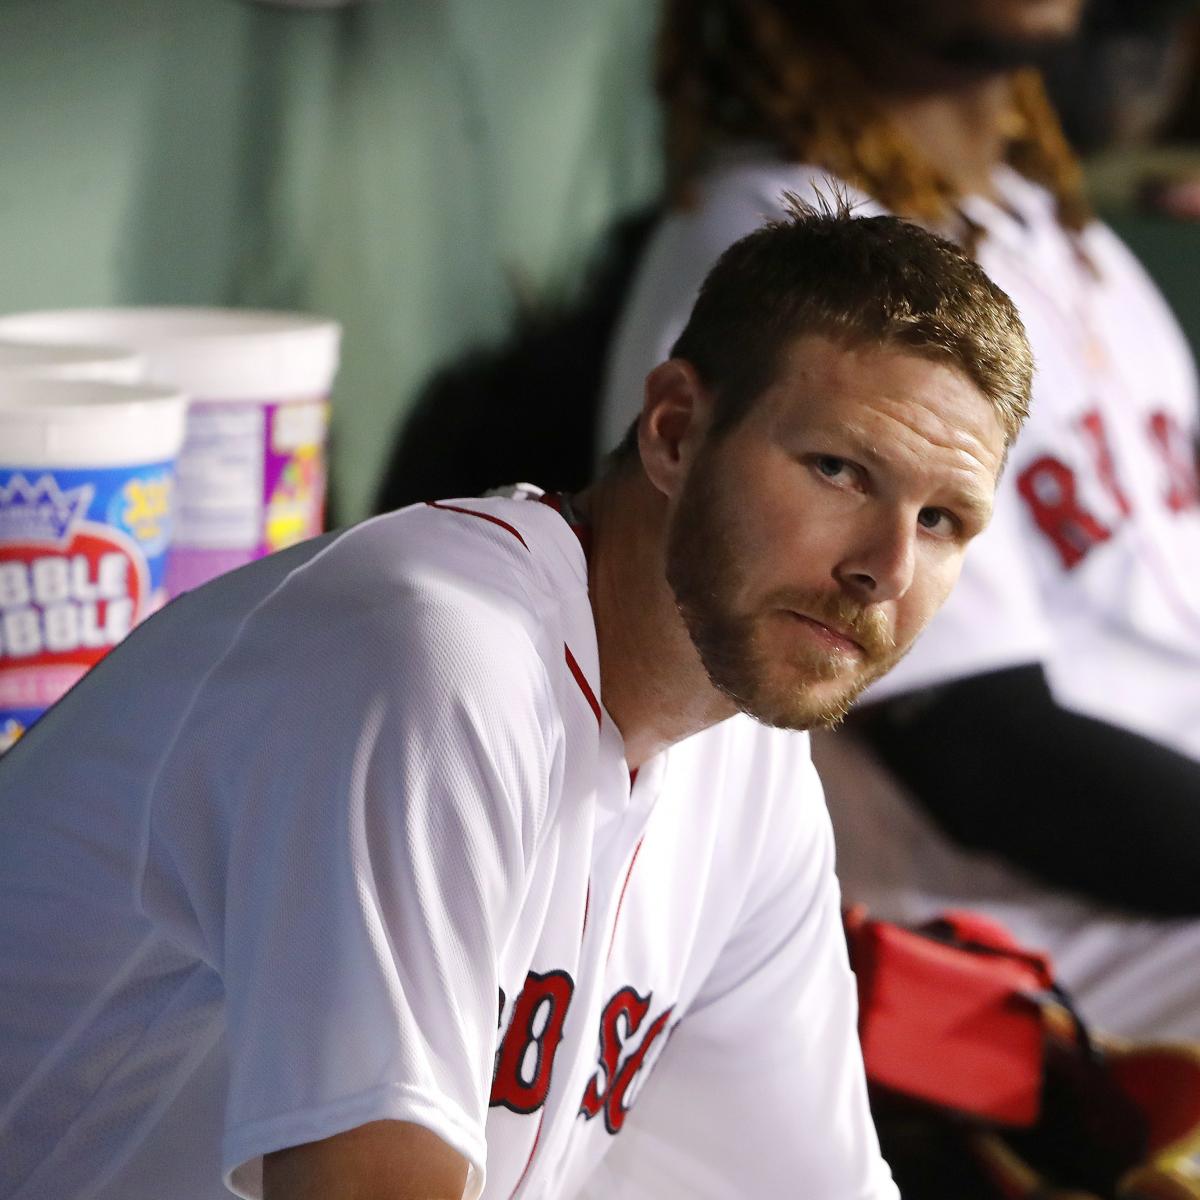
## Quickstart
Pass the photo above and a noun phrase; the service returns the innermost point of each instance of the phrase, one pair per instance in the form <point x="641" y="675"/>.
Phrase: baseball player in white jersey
<point x="1046" y="729"/>
<point x="430" y="858"/>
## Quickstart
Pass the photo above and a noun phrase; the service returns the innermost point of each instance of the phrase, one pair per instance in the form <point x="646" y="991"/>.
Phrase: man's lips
<point x="837" y="637"/>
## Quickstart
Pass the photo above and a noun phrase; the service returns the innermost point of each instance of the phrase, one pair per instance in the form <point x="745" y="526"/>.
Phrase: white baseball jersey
<point x="1092" y="563"/>
<point x="347" y="835"/>
<point x="1091" y="566"/>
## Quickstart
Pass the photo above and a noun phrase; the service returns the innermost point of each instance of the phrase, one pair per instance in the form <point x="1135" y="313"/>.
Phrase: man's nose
<point x="882" y="562"/>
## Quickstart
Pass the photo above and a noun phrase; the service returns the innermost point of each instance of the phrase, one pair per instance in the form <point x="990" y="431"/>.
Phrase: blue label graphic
<point x="83" y="557"/>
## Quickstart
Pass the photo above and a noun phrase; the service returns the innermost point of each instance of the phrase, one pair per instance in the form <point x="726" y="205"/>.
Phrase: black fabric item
<point x="1078" y="803"/>
<point x="525" y="410"/>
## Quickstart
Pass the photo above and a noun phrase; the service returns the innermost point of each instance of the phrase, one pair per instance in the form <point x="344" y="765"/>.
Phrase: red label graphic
<point x="66" y="606"/>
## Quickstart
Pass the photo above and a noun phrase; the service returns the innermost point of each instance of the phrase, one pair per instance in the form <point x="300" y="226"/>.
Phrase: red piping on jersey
<point x="470" y="512"/>
<point x="556" y="501"/>
<point x="532" y="1152"/>
<point x="584" y="686"/>
<point x="580" y="532"/>
<point x="617" y="917"/>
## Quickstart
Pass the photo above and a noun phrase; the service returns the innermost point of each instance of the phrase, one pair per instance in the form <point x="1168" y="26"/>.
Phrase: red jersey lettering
<point x="1047" y="485"/>
<point x="615" y="1107"/>
<point x="608" y="1089"/>
<point x="1092" y="424"/>
<point x="625" y="1008"/>
<point x="1182" y="490"/>
<point x="525" y="1062"/>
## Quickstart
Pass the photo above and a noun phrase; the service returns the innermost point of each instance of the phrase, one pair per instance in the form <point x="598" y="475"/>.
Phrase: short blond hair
<point x="862" y="280"/>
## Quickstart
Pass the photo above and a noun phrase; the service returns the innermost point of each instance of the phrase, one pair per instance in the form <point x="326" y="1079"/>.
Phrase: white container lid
<point x="46" y="423"/>
<point x="210" y="353"/>
<point x="110" y="364"/>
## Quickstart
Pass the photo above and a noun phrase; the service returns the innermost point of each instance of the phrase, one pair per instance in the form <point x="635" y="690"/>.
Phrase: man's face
<point x="813" y="541"/>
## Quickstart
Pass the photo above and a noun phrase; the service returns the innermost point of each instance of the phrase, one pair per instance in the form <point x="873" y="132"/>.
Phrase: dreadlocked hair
<point x="1040" y="151"/>
<point x="746" y="70"/>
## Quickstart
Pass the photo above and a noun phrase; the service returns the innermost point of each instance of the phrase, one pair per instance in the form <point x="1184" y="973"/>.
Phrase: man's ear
<point x="676" y="414"/>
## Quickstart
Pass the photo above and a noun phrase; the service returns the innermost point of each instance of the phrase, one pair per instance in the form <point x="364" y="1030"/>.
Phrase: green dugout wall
<point x="415" y="168"/>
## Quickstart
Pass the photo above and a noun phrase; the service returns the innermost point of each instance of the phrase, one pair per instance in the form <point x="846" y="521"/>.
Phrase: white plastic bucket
<point x="86" y="505"/>
<point x="105" y="364"/>
<point x="252" y="471"/>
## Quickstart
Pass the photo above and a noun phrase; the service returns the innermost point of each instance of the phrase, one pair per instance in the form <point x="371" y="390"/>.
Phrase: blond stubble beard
<point x="703" y="572"/>
<point x="782" y="690"/>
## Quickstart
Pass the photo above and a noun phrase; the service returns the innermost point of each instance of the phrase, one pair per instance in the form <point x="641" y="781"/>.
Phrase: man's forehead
<point x="963" y="467"/>
<point x="890" y="398"/>
<point x="819" y="363"/>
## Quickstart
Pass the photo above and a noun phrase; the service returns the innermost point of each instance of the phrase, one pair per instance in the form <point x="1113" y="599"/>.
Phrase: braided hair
<point x="760" y="70"/>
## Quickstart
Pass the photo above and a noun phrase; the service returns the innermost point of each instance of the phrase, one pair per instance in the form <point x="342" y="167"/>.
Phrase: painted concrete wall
<point x="410" y="167"/>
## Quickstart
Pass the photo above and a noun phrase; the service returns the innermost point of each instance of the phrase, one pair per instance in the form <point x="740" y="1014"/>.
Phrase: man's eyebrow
<point x="962" y="499"/>
<point x="973" y="503"/>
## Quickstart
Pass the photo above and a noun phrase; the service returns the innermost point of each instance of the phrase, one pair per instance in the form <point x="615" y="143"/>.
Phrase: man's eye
<point x="830" y="466"/>
<point x="937" y="519"/>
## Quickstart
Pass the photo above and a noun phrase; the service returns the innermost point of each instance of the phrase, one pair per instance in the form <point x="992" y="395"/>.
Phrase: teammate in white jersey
<point x="1050" y="718"/>
<point x="398" y="864"/>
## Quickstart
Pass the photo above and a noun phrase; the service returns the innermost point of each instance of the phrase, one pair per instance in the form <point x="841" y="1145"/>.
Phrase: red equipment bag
<point x="951" y="1014"/>
<point x="986" y="1084"/>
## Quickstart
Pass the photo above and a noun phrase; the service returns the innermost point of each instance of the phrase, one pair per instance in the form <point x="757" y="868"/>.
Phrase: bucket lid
<point x="210" y="353"/>
<point x="76" y="423"/>
<point x="42" y="361"/>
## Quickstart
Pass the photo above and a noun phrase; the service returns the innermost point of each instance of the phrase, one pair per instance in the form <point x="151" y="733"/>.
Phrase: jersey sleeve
<point x="361" y="793"/>
<point x="761" y="1090"/>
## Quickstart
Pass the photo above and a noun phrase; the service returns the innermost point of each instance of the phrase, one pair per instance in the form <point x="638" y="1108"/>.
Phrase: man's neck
<point x="652" y="682"/>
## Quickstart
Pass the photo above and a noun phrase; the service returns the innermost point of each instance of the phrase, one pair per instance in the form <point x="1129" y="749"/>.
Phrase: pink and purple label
<point x="83" y="558"/>
<point x="251" y="481"/>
